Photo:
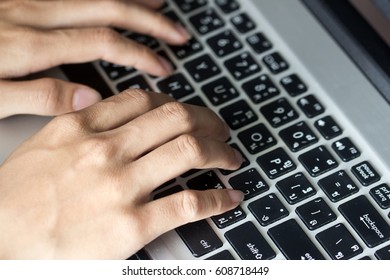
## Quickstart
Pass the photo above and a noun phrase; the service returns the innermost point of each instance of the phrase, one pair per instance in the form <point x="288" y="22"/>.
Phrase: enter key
<point x="366" y="220"/>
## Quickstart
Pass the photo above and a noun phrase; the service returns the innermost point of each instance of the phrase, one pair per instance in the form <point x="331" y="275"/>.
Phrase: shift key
<point x="366" y="220"/>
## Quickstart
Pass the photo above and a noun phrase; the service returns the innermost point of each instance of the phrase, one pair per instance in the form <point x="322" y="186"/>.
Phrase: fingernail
<point x="239" y="156"/>
<point x="84" y="97"/>
<point x="182" y="31"/>
<point x="166" y="65"/>
<point x="235" y="196"/>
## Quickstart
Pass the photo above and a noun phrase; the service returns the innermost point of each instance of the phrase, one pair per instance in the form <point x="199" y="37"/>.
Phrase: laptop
<point x="305" y="88"/>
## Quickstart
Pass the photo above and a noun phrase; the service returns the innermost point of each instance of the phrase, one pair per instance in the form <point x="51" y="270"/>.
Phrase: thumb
<point x="46" y="97"/>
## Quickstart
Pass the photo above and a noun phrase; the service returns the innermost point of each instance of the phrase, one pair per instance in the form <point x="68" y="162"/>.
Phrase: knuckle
<point x="190" y="204"/>
<point x="49" y="95"/>
<point x="96" y="150"/>
<point x="105" y="36"/>
<point x="178" y="112"/>
<point x="192" y="148"/>
<point x="140" y="97"/>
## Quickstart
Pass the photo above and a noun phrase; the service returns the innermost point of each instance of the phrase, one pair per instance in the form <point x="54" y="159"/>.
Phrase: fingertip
<point x="183" y="35"/>
<point x="236" y="197"/>
<point x="166" y="65"/>
<point x="84" y="97"/>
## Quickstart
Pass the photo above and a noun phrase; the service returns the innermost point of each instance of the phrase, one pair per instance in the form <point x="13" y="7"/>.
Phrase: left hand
<point x="36" y="35"/>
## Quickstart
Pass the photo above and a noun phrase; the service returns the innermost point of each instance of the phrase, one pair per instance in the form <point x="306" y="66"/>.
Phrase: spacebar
<point x="293" y="242"/>
<point x="199" y="237"/>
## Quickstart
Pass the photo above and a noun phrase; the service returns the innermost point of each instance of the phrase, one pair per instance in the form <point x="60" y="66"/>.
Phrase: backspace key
<point x="366" y="221"/>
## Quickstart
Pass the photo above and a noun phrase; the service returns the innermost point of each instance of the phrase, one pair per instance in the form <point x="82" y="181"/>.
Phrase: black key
<point x="250" y="183"/>
<point x="298" y="136"/>
<point x="345" y="149"/>
<point x="244" y="164"/>
<point x="223" y="255"/>
<point x="190" y="5"/>
<point x="339" y="243"/>
<point x="296" y="188"/>
<point x="365" y="173"/>
<point x="227" y="6"/>
<point x="365" y="258"/>
<point x="242" y="66"/>
<point x="316" y="213"/>
<point x="328" y="127"/>
<point x="224" y="43"/>
<point x="238" y="114"/>
<point x="318" y="161"/>
<point x="383" y="254"/>
<point x="115" y="71"/>
<point x="206" y="181"/>
<point x="228" y="218"/>
<point x="137" y="82"/>
<point x="275" y="63"/>
<point x="249" y="244"/>
<point x="257" y="139"/>
<point x="293" y="242"/>
<point x="338" y="186"/>
<point x="190" y="48"/>
<point x="243" y="23"/>
<point x="176" y="86"/>
<point x="145" y="40"/>
<point x="276" y="163"/>
<point x="293" y="85"/>
<point x="196" y="100"/>
<point x="279" y="112"/>
<point x="140" y="255"/>
<point x="204" y="241"/>
<point x="268" y="209"/>
<point x="366" y="220"/>
<point x="174" y="17"/>
<point x="202" y="68"/>
<point x="260" y="89"/>
<point x="310" y="106"/>
<point x="207" y="21"/>
<point x="220" y="91"/>
<point x="381" y="194"/>
<point x="259" y="42"/>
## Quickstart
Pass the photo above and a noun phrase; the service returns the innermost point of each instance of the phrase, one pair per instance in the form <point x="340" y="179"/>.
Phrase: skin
<point x="38" y="34"/>
<point x="81" y="187"/>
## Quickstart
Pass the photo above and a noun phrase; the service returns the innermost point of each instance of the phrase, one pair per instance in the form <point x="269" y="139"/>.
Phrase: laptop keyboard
<point x="303" y="176"/>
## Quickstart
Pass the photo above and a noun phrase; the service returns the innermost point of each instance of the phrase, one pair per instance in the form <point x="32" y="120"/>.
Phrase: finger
<point x="90" y="13"/>
<point x="46" y="97"/>
<point x="187" y="206"/>
<point x="168" y="122"/>
<point x="36" y="50"/>
<point x="127" y="106"/>
<point x="177" y="157"/>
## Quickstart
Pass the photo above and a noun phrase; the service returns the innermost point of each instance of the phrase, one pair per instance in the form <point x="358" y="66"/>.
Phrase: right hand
<point x="81" y="187"/>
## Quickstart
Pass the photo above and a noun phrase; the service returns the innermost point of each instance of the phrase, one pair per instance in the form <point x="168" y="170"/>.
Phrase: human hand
<point x="36" y="35"/>
<point x="80" y="188"/>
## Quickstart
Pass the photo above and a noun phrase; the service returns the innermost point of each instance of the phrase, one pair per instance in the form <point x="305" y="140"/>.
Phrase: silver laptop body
<point x="343" y="94"/>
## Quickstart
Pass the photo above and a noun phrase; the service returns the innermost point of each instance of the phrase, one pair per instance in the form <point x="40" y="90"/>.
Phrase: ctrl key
<point x="249" y="243"/>
<point x="199" y="238"/>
